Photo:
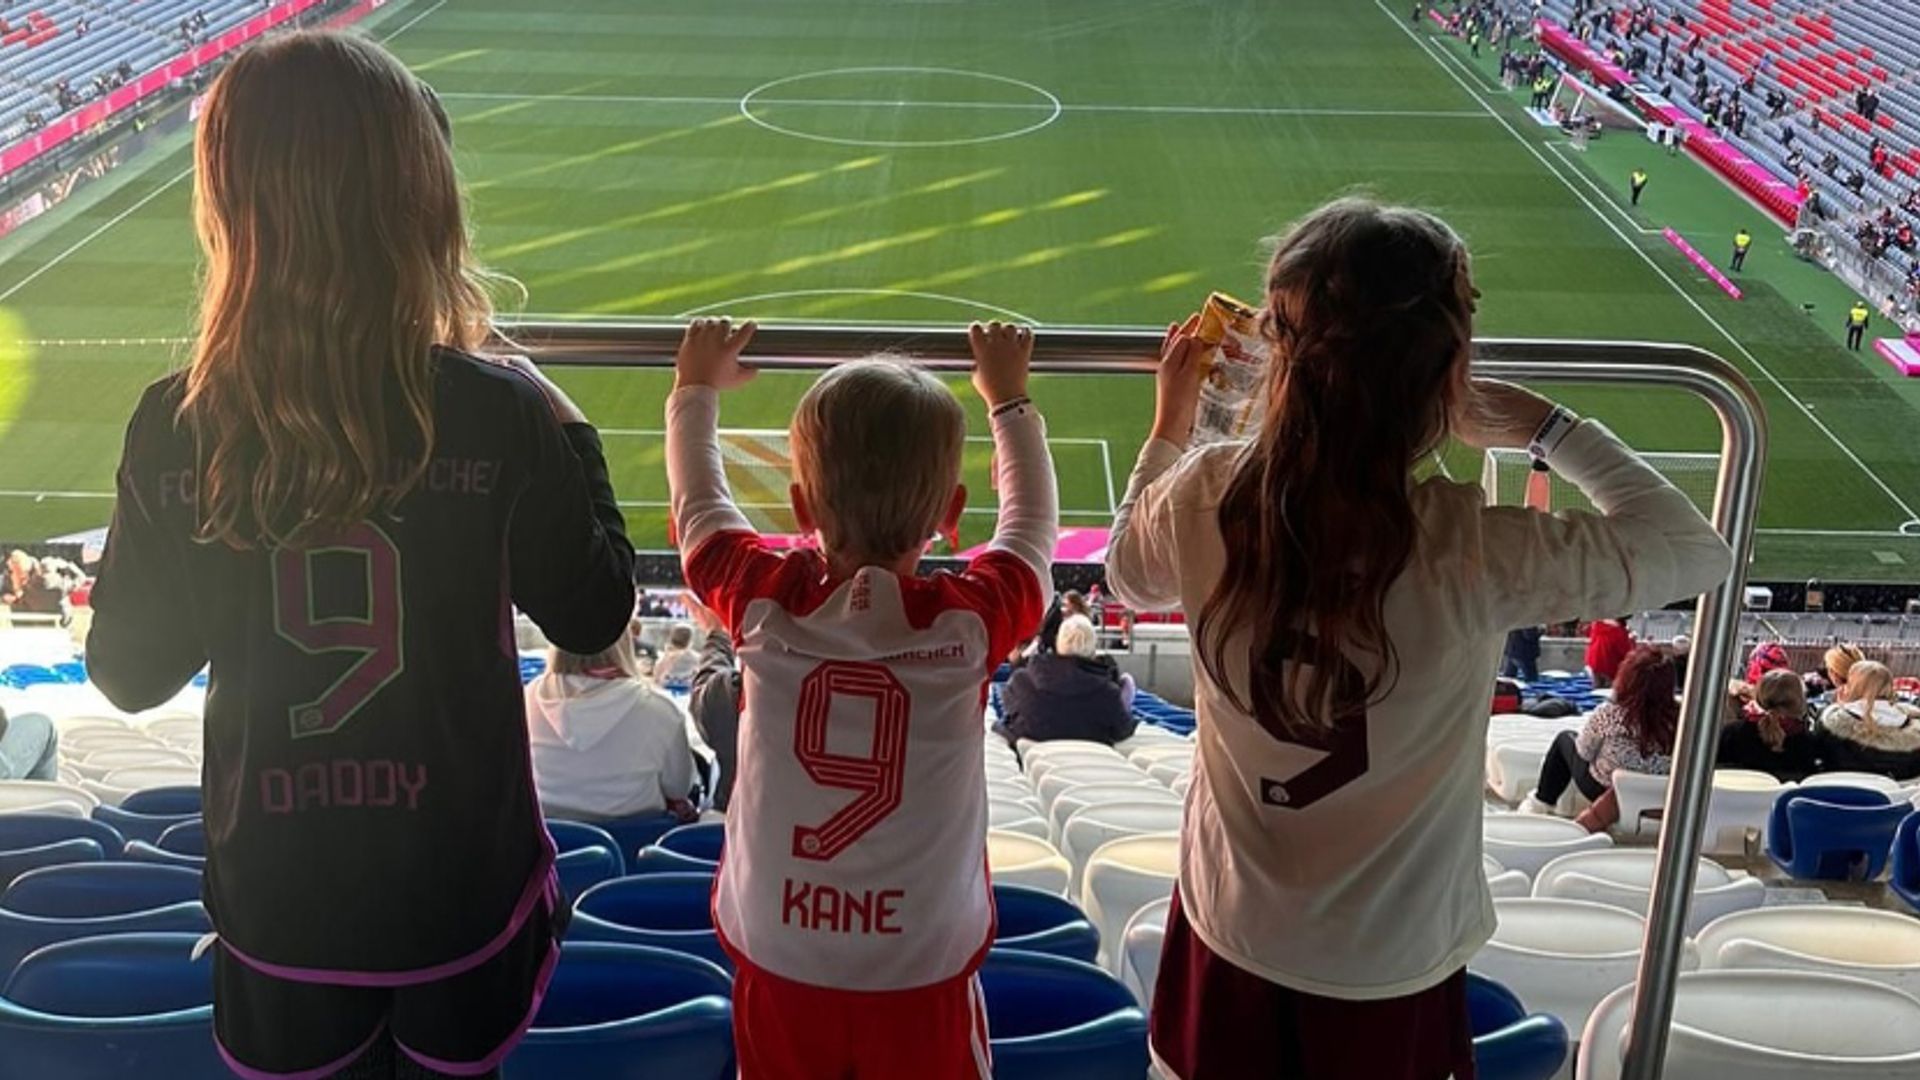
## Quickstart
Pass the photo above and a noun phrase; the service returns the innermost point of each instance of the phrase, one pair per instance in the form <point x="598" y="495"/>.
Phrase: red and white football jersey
<point x="856" y="837"/>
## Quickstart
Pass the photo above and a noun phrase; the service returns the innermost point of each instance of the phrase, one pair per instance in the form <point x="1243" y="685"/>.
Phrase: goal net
<point x="1504" y="475"/>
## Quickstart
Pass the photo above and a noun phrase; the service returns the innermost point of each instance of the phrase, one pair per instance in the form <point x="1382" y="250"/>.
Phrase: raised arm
<point x="1029" y="522"/>
<point x="708" y="363"/>
<point x="1143" y="562"/>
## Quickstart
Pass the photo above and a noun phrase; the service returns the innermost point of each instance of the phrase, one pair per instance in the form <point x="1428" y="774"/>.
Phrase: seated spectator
<point x="1766" y="656"/>
<point x="1768" y="728"/>
<point x="1608" y="643"/>
<point x="1071" y="692"/>
<point x="1835" y="667"/>
<point x="675" y="667"/>
<point x="29" y="747"/>
<point x="1634" y="731"/>
<point x="715" y="701"/>
<point x="1064" y="605"/>
<point x="1869" y="729"/>
<point x="605" y="744"/>
<point x="33" y="586"/>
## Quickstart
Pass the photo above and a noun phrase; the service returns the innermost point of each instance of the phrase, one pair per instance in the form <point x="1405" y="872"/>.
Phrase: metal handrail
<point x="1743" y="433"/>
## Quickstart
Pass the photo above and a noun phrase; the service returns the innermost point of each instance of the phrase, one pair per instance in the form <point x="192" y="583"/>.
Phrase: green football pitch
<point x="1067" y="162"/>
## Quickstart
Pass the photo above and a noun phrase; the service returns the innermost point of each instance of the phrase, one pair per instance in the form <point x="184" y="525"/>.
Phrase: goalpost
<point x="1504" y="475"/>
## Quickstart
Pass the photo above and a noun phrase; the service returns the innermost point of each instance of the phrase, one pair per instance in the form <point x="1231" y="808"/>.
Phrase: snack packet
<point x="1231" y="402"/>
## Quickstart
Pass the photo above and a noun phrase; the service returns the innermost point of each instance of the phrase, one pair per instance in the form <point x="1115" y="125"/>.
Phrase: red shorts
<point x="784" y="1030"/>
<point x="1214" y="1021"/>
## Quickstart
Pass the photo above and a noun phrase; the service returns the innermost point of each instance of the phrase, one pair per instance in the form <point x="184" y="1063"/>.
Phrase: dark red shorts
<point x="1214" y="1021"/>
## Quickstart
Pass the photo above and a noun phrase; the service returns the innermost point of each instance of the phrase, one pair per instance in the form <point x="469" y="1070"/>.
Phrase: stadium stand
<point x="58" y="55"/>
<point x="1827" y="96"/>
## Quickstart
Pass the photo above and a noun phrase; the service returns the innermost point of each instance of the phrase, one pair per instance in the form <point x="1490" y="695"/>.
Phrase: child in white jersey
<point x="854" y="895"/>
<point x="1348" y="620"/>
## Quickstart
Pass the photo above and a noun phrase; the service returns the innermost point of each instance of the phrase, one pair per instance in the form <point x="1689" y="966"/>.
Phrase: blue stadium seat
<point x="1059" y="1019"/>
<point x="1508" y="1044"/>
<point x="22" y="934"/>
<point x="1906" y="861"/>
<point x="33" y="830"/>
<point x="667" y="911"/>
<point x="704" y="840"/>
<point x="96" y="890"/>
<point x="1833" y="833"/>
<point x="658" y="860"/>
<point x="21" y="676"/>
<point x="178" y="801"/>
<point x="568" y="835"/>
<point x="72" y="672"/>
<point x="138" y="825"/>
<point x="1035" y="920"/>
<point x="627" y="1012"/>
<point x="17" y="861"/>
<point x="111" y="1007"/>
<point x="189" y="837"/>
<point x="584" y="867"/>
<point x="143" y="852"/>
<point x="634" y="833"/>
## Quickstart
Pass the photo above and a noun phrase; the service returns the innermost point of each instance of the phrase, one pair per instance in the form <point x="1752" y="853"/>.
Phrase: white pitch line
<point x="1106" y="469"/>
<point x="1021" y="106"/>
<point x="157" y="192"/>
<point x="1449" y="65"/>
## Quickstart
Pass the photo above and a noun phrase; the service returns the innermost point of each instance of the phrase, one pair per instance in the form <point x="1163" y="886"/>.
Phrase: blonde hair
<point x="1076" y="637"/>
<point x="618" y="656"/>
<point x="1781" y="696"/>
<point x="1840" y="660"/>
<point x="876" y="449"/>
<point x="1868" y="681"/>
<point x="337" y="258"/>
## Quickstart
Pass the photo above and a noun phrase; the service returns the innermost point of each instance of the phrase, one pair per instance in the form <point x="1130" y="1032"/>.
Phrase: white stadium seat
<point x="1075" y="775"/>
<point x="1122" y="877"/>
<point x="1513" y="765"/>
<point x="1074" y="798"/>
<point x="1166" y="772"/>
<point x="1768" y="1025"/>
<point x="98" y="764"/>
<point x="1623" y="878"/>
<point x="1018" y="859"/>
<point x="1527" y="842"/>
<point x="1147" y="757"/>
<point x="1144" y="936"/>
<point x="1879" y="945"/>
<point x="17" y="796"/>
<point x="1091" y="827"/>
<point x="1561" y="957"/>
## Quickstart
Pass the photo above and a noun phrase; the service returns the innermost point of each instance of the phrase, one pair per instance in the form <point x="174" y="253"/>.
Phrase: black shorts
<point x="271" y="1028"/>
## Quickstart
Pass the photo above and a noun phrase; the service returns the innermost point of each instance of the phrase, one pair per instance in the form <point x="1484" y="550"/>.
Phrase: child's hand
<point x="1002" y="353"/>
<point x="710" y="355"/>
<point x="1500" y="415"/>
<point x="1177" y="384"/>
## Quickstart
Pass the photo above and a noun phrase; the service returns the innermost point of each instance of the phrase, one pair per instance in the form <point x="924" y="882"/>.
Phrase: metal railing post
<point x="1106" y="351"/>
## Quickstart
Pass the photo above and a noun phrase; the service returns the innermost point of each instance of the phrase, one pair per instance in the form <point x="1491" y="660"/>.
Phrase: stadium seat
<point x="145" y="827"/>
<point x="634" y="833"/>
<point x="1509" y="1044"/>
<point x="1057" y="781"/>
<point x="1741" y="808"/>
<point x="1906" y="861"/>
<point x="1057" y="1019"/>
<point x="22" y="934"/>
<point x="704" y="840"/>
<point x="1146" y="757"/>
<point x="628" y="1012"/>
<point x="1868" y="781"/>
<point x="1020" y="859"/>
<point x="1786" y="1024"/>
<point x="98" y="890"/>
<point x="1035" y="920"/>
<point x="33" y="830"/>
<point x="1016" y="818"/>
<point x="1879" y="945"/>
<point x="143" y="852"/>
<point x="1166" y="772"/>
<point x="99" y="764"/>
<point x="189" y="837"/>
<point x="581" y="868"/>
<point x="569" y="835"/>
<point x="1642" y="798"/>
<point x="17" y="861"/>
<point x="1142" y="941"/>
<point x="1623" y="878"/>
<point x="1562" y="956"/>
<point x="1527" y="842"/>
<point x="1833" y="833"/>
<point x="658" y="860"/>
<point x="178" y="801"/>
<point x="1074" y="798"/>
<point x="1092" y="826"/>
<point x="106" y="1008"/>
<point x="38" y="795"/>
<point x="667" y="911"/>
<point x="1502" y="883"/>
<point x="1513" y="765"/>
<point x="1122" y="877"/>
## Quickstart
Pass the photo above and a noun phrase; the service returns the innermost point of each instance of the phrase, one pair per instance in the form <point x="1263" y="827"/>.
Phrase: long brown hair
<point x="1369" y="312"/>
<point x="1781" y="698"/>
<point x="1644" y="690"/>
<point x="337" y="257"/>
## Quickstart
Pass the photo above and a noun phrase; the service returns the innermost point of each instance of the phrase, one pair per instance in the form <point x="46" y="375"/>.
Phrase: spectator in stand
<point x="1064" y="604"/>
<point x="1608" y="643"/>
<point x="1346" y="614"/>
<point x="349" y="599"/>
<point x="1634" y="731"/>
<point x="715" y="700"/>
<point x="1835" y="667"/>
<point x="1520" y="659"/>
<point x="1869" y="729"/>
<point x="33" y="586"/>
<point x="1071" y="692"/>
<point x="605" y="744"/>
<point x="674" y="669"/>
<point x="29" y="747"/>
<point x="1768" y="728"/>
<point x="1829" y="163"/>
